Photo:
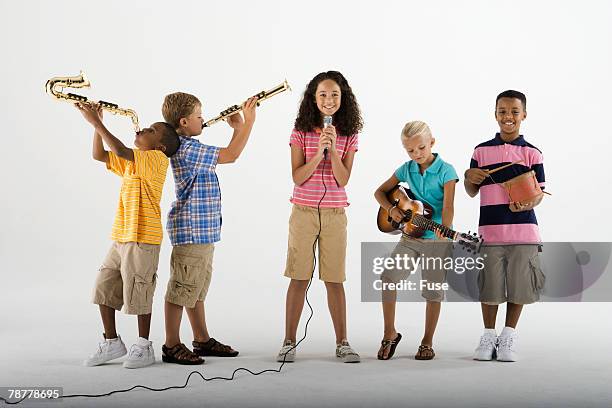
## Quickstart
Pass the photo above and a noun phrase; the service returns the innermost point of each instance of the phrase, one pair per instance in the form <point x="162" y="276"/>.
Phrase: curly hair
<point x="169" y="139"/>
<point x="347" y="119"/>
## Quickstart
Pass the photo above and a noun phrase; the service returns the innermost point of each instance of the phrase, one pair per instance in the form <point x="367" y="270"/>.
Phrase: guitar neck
<point x="430" y="225"/>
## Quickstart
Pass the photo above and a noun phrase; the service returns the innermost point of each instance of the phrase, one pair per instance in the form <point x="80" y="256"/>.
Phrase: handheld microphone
<point x="327" y="120"/>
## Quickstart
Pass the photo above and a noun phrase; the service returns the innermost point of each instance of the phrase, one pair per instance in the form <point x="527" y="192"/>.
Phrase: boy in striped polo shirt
<point x="511" y="270"/>
<point x="194" y="224"/>
<point x="128" y="275"/>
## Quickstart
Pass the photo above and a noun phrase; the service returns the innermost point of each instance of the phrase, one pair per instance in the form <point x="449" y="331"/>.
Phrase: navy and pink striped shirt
<point x="499" y="225"/>
<point x="311" y="191"/>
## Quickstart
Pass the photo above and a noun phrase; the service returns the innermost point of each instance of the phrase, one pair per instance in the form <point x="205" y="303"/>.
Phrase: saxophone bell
<point x="56" y="85"/>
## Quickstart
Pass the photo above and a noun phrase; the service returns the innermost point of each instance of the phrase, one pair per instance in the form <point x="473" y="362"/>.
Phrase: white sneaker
<point x="108" y="350"/>
<point x="287" y="352"/>
<point x="506" y="347"/>
<point x="346" y="353"/>
<point x="141" y="354"/>
<point x="487" y="348"/>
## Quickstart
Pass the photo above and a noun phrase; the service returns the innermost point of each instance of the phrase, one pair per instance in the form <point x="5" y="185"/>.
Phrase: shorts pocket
<point x="147" y="247"/>
<point x="142" y="290"/>
<point x="538" y="278"/>
<point x="184" y="275"/>
<point x="185" y="268"/>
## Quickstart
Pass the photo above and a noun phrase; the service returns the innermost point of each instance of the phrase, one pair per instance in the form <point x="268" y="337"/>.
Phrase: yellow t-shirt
<point x="138" y="217"/>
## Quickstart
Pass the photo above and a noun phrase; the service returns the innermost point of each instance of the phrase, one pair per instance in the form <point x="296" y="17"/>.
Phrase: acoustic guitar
<point x="417" y="220"/>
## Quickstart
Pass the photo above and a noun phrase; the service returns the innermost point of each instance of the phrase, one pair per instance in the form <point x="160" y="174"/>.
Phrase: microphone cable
<point x="239" y="369"/>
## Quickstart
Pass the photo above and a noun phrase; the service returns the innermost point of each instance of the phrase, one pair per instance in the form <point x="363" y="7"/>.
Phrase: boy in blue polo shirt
<point x="431" y="180"/>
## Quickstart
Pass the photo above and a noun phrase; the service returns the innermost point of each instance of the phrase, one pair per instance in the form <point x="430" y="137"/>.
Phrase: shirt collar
<point x="433" y="168"/>
<point x="184" y="141"/>
<point x="519" y="141"/>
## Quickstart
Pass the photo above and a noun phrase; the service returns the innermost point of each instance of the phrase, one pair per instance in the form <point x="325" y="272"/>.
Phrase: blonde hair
<point x="415" y="128"/>
<point x="178" y="105"/>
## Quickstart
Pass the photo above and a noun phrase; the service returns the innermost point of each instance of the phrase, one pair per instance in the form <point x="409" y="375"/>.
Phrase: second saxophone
<point x="263" y="95"/>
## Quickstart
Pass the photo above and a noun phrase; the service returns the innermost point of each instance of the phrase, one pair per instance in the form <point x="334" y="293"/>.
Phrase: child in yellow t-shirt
<point x="128" y="275"/>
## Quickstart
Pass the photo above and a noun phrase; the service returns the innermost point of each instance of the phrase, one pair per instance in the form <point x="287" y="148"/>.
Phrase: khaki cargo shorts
<point x="511" y="273"/>
<point x="303" y="230"/>
<point x="127" y="277"/>
<point x="432" y="271"/>
<point x="190" y="274"/>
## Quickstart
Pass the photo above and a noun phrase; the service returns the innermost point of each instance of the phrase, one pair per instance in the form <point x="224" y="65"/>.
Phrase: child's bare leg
<point x="173" y="314"/>
<point x="294" y="304"/>
<point x="144" y="325"/>
<point x="108" y="321"/>
<point x="197" y="318"/>
<point x="489" y="314"/>
<point x="389" y="298"/>
<point x="513" y="312"/>
<point x="432" y="313"/>
<point x="336" y="301"/>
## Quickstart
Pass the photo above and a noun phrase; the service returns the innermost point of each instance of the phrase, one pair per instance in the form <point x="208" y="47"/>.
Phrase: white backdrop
<point x="441" y="62"/>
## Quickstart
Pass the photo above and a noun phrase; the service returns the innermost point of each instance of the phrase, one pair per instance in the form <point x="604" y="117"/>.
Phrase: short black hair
<point x="169" y="139"/>
<point x="514" y="95"/>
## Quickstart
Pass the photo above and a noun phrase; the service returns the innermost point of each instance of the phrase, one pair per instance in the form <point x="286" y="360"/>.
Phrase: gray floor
<point x="564" y="350"/>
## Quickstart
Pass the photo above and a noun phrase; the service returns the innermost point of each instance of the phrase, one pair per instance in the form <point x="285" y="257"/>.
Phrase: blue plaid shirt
<point x="195" y="216"/>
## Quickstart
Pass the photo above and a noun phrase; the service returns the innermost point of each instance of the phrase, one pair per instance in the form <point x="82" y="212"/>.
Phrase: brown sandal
<point x="180" y="354"/>
<point x="425" y="353"/>
<point x="213" y="348"/>
<point x="388" y="343"/>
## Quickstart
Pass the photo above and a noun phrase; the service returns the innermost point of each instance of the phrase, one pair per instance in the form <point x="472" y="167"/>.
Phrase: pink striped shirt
<point x="499" y="225"/>
<point x="311" y="191"/>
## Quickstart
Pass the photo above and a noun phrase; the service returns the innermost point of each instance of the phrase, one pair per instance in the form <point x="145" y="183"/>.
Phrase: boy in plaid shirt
<point x="194" y="224"/>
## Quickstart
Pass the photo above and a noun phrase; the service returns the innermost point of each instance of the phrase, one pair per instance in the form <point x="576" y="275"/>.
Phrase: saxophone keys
<point x="78" y="98"/>
<point x="109" y="105"/>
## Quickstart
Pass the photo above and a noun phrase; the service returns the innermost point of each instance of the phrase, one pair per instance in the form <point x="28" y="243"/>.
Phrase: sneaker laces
<point x="287" y="347"/>
<point x="346" y="349"/>
<point x="102" y="347"/>
<point x="136" y="351"/>
<point x="487" y="341"/>
<point x="507" y="342"/>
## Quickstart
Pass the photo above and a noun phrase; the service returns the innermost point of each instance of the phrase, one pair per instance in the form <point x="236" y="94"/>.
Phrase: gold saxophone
<point x="55" y="86"/>
<point x="263" y="95"/>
